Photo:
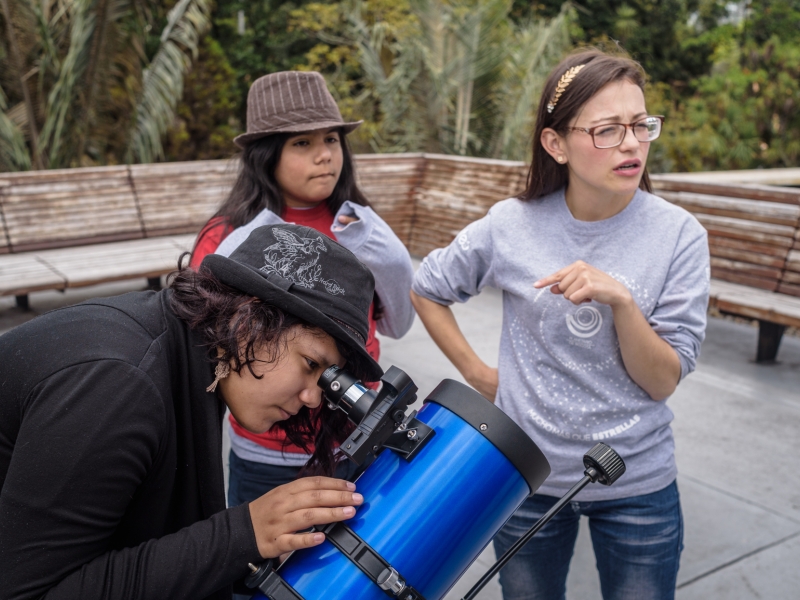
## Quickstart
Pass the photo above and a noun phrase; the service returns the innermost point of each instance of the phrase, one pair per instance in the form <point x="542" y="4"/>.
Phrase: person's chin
<point x="260" y="427"/>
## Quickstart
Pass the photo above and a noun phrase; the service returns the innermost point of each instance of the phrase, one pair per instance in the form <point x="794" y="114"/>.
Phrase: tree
<point x="81" y="87"/>
<point x="206" y="120"/>
<point x="261" y="41"/>
<point x="452" y="76"/>
<point x="744" y="114"/>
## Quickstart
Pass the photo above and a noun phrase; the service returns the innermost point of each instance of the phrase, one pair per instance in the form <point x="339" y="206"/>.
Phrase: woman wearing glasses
<point x="605" y="288"/>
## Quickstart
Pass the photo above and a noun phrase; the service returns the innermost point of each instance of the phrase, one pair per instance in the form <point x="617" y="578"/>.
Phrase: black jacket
<point x="111" y="482"/>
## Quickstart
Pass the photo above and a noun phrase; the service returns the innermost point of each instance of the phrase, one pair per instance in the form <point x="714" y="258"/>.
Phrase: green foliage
<point x="455" y="76"/>
<point x="13" y="153"/>
<point x="744" y="115"/>
<point x="773" y="19"/>
<point x="268" y="45"/>
<point x="82" y="89"/>
<point x="206" y="123"/>
<point x="162" y="80"/>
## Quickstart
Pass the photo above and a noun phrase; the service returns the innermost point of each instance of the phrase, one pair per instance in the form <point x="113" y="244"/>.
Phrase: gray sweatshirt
<point x="561" y="375"/>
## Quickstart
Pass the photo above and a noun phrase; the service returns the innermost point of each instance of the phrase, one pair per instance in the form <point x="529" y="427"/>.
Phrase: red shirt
<point x="209" y="239"/>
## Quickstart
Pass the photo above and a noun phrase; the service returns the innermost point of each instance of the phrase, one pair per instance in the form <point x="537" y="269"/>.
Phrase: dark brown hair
<point x="240" y="325"/>
<point x="545" y="175"/>
<point x="256" y="189"/>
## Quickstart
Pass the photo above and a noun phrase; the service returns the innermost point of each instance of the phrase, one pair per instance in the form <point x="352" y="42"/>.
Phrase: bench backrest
<point x="389" y="181"/>
<point x="180" y="197"/>
<point x="752" y="229"/>
<point x="67" y="207"/>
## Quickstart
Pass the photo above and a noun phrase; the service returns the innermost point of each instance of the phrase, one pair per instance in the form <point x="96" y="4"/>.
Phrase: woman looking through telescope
<point x="111" y="479"/>
<point x="605" y="289"/>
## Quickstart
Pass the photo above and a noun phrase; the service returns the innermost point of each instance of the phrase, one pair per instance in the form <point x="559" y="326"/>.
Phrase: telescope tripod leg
<point x="602" y="464"/>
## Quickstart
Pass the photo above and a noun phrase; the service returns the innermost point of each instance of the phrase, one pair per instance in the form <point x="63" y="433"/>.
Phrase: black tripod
<point x="602" y="464"/>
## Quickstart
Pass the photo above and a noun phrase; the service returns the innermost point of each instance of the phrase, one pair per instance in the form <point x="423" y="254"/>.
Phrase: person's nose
<point x="629" y="142"/>
<point x="311" y="396"/>
<point x="323" y="153"/>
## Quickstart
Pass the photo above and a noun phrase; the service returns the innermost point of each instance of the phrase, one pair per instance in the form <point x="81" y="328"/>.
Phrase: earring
<point x="560" y="159"/>
<point x="221" y="371"/>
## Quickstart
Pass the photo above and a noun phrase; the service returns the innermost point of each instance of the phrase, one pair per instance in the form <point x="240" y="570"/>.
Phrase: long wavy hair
<point x="256" y="188"/>
<point x="545" y="175"/>
<point x="239" y="325"/>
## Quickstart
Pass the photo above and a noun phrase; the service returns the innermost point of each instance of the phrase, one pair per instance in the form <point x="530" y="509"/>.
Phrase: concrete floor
<point x="737" y="430"/>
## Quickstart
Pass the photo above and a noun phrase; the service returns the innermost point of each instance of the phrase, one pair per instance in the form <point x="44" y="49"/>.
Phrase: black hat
<point x="307" y="274"/>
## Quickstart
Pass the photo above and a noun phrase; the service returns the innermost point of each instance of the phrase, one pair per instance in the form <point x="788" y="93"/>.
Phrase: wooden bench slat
<point x="726" y="188"/>
<point x="756" y="304"/>
<point x="84" y="266"/>
<point x="25" y="274"/>
<point x="754" y="210"/>
<point x="746" y="256"/>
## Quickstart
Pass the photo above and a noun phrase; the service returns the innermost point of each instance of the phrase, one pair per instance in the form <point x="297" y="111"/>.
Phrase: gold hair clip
<point x="565" y="80"/>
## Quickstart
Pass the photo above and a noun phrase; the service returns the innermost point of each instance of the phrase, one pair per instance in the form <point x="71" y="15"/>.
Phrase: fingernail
<point x="537" y="283"/>
<point x="319" y="538"/>
<point x="349" y="511"/>
<point x="358" y="498"/>
<point x="351" y="486"/>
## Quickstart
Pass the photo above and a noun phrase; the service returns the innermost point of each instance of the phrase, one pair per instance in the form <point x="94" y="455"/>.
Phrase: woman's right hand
<point x="279" y="514"/>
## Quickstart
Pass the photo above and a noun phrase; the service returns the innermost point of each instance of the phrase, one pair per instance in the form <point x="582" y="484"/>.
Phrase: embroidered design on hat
<point x="297" y="259"/>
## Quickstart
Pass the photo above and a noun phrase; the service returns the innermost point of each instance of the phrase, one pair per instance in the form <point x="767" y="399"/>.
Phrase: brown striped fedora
<point x="290" y="101"/>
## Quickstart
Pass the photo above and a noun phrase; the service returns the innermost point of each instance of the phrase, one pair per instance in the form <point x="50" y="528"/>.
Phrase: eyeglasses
<point x="611" y="135"/>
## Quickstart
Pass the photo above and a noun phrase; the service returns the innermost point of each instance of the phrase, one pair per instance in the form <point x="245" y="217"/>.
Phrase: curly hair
<point x="239" y="325"/>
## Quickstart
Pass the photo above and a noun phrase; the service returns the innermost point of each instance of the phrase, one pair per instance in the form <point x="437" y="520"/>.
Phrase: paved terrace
<point x="737" y="429"/>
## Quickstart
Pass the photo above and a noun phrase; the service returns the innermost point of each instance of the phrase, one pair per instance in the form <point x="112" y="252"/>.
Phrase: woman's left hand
<point x="581" y="282"/>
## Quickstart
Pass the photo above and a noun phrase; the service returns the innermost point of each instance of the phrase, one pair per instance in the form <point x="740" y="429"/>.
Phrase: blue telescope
<point x="438" y="486"/>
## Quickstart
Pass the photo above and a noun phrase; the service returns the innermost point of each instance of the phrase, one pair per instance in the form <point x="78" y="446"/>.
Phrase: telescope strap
<point x="372" y="564"/>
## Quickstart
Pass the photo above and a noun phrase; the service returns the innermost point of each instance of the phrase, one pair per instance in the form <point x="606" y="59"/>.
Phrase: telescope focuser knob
<point x="603" y="464"/>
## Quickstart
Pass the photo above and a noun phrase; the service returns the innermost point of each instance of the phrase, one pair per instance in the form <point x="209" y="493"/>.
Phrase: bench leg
<point x="23" y="302"/>
<point x="154" y="283"/>
<point x="769" y="339"/>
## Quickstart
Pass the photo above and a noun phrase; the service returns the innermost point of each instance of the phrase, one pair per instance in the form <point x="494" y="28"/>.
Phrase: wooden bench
<point x="78" y="227"/>
<point x="754" y="242"/>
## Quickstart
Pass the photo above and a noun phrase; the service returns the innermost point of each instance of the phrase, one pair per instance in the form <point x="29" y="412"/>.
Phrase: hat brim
<point x="249" y="281"/>
<point x="246" y="138"/>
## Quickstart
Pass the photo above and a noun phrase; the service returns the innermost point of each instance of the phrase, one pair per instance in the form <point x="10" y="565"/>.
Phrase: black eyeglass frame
<point x="591" y="130"/>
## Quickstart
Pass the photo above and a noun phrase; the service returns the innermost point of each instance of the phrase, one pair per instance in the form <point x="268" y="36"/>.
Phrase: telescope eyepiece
<point x="343" y="391"/>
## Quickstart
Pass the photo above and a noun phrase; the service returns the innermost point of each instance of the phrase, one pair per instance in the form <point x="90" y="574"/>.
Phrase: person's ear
<point x="554" y="145"/>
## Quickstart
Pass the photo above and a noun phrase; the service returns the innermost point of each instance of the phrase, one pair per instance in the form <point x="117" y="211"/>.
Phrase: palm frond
<point x="14" y="155"/>
<point x="535" y="49"/>
<point x="60" y="101"/>
<point x="162" y="84"/>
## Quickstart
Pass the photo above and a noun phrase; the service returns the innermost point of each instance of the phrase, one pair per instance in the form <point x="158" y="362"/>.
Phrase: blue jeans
<point x="637" y="545"/>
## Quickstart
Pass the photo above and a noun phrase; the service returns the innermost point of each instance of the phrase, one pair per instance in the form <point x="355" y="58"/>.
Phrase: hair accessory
<point x="290" y="101"/>
<point x="565" y="80"/>
<point x="305" y="273"/>
<point x="221" y="371"/>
